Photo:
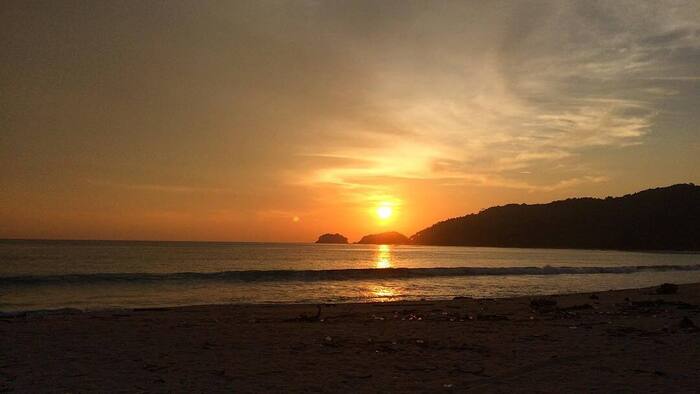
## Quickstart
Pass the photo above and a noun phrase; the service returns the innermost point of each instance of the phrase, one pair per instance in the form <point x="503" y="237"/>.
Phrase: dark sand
<point x="630" y="341"/>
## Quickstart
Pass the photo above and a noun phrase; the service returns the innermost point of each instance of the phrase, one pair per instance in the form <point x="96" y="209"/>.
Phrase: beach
<point x="625" y="340"/>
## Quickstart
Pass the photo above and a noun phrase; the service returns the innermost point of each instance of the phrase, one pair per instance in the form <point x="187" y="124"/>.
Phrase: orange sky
<point x="226" y="121"/>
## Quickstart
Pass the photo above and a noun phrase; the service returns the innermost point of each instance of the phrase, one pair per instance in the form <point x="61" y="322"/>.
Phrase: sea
<point x="93" y="275"/>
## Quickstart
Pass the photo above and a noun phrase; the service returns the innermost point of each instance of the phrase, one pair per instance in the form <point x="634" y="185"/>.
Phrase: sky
<point x="280" y="121"/>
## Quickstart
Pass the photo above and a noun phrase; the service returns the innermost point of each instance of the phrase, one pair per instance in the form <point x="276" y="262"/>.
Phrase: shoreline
<point x="76" y="310"/>
<point x="628" y="340"/>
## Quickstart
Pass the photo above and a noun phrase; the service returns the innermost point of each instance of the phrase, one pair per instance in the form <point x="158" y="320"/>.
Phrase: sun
<point x="384" y="212"/>
<point x="385" y="209"/>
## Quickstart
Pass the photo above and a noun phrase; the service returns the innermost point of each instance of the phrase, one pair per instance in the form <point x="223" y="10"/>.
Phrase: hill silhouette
<point x="329" y="238"/>
<point x="388" y="238"/>
<point x="666" y="218"/>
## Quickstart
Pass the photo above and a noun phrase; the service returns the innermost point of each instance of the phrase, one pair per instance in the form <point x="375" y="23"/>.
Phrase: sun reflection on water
<point x="383" y="292"/>
<point x="383" y="257"/>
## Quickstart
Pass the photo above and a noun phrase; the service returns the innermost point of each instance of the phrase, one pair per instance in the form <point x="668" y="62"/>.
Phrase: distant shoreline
<point x="77" y="241"/>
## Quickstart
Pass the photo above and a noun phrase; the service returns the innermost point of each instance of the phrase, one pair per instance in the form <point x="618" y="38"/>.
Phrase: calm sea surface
<point x="107" y="274"/>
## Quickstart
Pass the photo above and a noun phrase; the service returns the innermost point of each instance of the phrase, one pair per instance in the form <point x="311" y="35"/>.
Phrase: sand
<point x="629" y="341"/>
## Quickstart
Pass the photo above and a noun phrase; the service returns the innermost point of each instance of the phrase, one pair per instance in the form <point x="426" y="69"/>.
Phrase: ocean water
<point x="37" y="275"/>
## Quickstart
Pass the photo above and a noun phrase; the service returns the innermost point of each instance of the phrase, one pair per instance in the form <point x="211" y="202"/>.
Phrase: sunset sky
<point x="279" y="121"/>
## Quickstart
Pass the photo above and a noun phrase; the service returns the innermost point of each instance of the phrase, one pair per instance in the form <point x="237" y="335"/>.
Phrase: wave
<point x="333" y="275"/>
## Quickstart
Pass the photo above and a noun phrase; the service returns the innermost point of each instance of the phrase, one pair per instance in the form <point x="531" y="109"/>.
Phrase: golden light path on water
<point x="383" y="260"/>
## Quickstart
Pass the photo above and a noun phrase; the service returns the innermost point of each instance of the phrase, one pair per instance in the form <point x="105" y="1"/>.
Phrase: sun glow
<point x="384" y="211"/>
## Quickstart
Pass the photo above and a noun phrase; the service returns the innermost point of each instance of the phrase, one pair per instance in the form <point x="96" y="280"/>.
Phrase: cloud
<point x="570" y="78"/>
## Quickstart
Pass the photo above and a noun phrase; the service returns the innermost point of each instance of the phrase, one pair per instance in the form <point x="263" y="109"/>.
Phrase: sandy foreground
<point x="630" y="341"/>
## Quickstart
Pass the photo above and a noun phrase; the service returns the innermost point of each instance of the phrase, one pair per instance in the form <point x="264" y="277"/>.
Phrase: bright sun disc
<point x="384" y="212"/>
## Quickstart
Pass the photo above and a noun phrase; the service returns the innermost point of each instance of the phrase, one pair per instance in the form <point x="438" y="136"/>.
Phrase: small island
<point x="388" y="238"/>
<point x="329" y="238"/>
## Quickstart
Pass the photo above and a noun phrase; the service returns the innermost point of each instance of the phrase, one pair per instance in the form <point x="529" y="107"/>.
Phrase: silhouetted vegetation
<point x="656" y="219"/>
<point x="329" y="238"/>
<point x="388" y="238"/>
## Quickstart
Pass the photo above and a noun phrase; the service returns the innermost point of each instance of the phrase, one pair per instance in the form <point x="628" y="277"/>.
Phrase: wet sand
<point x="629" y="341"/>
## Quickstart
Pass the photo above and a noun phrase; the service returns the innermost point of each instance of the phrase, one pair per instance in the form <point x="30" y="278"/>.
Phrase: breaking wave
<point x="331" y="275"/>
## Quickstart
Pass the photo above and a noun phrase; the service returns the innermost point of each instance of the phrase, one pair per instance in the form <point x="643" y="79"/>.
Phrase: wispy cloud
<point x="159" y="188"/>
<point x="586" y="75"/>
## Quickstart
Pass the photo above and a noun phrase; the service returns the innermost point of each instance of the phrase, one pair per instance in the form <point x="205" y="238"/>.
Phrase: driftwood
<point x="311" y="318"/>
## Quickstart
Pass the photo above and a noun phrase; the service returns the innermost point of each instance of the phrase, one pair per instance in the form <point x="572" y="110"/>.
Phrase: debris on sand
<point x="687" y="324"/>
<point x="667" y="288"/>
<point x="579" y="307"/>
<point x="311" y="318"/>
<point x="543" y="303"/>
<point x="480" y="316"/>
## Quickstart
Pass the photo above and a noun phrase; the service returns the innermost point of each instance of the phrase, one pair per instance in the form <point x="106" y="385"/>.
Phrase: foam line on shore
<point x="333" y="275"/>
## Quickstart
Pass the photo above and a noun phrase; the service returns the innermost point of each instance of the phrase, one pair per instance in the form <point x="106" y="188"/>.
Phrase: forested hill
<point x="665" y="218"/>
